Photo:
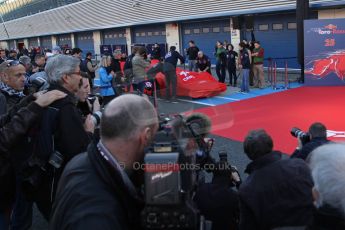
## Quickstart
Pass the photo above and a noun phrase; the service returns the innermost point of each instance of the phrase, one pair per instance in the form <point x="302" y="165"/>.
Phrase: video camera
<point x="172" y="166"/>
<point x="38" y="82"/>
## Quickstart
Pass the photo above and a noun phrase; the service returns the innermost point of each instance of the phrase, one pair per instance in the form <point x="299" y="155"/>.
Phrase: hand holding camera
<point x="89" y="125"/>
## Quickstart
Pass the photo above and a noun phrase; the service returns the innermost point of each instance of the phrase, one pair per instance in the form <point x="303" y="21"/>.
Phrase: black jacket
<point x="156" y="53"/>
<point x="219" y="203"/>
<point x="328" y="218"/>
<point x="171" y="59"/>
<point x="92" y="195"/>
<point x="11" y="100"/>
<point x="70" y="139"/>
<point x="3" y="104"/>
<point x="12" y="131"/>
<point x="192" y="52"/>
<point x="115" y="65"/>
<point x="277" y="193"/>
<point x="231" y="59"/>
<point x="309" y="147"/>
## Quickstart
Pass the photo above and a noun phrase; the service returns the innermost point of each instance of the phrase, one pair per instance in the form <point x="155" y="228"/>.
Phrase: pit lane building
<point x="87" y="24"/>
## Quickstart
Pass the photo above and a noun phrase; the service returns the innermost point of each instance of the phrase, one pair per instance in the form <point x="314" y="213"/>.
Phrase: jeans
<point x="245" y="80"/>
<point x="192" y="65"/>
<point x="21" y="217"/>
<point x="232" y="74"/>
<point x="140" y="86"/>
<point x="221" y="72"/>
<point x="171" y="84"/>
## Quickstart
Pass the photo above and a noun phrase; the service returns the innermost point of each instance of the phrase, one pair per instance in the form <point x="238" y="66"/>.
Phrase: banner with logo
<point x="105" y="49"/>
<point x="324" y="52"/>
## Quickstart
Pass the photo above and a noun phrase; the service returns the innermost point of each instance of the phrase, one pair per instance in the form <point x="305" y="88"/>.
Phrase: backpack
<point x="44" y="158"/>
<point x="83" y="65"/>
<point x="128" y="69"/>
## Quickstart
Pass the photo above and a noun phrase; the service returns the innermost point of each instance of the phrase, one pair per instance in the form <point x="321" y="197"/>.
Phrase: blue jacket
<point x="105" y="83"/>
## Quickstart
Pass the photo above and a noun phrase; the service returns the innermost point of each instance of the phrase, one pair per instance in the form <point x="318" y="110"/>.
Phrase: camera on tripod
<point x="298" y="133"/>
<point x="171" y="174"/>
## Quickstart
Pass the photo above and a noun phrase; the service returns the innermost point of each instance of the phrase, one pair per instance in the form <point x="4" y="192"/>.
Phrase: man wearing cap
<point x="12" y="55"/>
<point x="56" y="50"/>
<point x="258" y="68"/>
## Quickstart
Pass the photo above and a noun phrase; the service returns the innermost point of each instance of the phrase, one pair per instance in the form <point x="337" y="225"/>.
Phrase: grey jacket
<point x="139" y="64"/>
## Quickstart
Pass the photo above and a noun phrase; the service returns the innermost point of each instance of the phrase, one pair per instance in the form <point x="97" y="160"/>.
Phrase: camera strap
<point x="107" y="156"/>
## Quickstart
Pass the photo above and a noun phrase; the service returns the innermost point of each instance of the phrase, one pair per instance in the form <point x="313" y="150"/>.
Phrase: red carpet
<point x="277" y="113"/>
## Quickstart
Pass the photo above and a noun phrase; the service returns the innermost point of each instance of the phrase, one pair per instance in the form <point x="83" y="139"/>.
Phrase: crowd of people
<point x="60" y="151"/>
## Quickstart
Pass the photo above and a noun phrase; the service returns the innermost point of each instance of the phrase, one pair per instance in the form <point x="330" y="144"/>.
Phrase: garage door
<point x="114" y="37"/>
<point x="64" y="41"/>
<point x="149" y="34"/>
<point x="33" y="42"/>
<point x="205" y="34"/>
<point x="46" y="42"/>
<point x="277" y="35"/>
<point x="11" y="44"/>
<point x="84" y="41"/>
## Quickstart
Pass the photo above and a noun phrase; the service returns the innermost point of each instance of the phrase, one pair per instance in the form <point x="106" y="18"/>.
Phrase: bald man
<point x="12" y="85"/>
<point x="96" y="189"/>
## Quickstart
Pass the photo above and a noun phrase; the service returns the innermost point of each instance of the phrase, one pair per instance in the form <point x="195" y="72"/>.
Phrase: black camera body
<point x="171" y="178"/>
<point x="173" y="172"/>
<point x="298" y="133"/>
<point x="92" y="98"/>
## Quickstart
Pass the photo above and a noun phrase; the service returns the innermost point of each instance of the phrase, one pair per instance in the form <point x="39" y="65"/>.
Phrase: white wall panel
<point x="101" y="14"/>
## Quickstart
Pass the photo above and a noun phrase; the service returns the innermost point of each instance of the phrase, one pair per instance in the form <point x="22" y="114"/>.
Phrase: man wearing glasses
<point x="12" y="84"/>
<point x="72" y="135"/>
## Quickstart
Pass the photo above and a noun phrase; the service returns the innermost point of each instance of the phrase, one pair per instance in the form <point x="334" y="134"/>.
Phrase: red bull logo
<point x="334" y="63"/>
<point x="331" y="27"/>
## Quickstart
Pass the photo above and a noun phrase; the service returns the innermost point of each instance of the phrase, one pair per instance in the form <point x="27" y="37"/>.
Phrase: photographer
<point x="89" y="104"/>
<point x="96" y="190"/>
<point x="218" y="201"/>
<point x="317" y="135"/>
<point x="84" y="105"/>
<point x="277" y="192"/>
<point x="72" y="135"/>
<point x="14" y="127"/>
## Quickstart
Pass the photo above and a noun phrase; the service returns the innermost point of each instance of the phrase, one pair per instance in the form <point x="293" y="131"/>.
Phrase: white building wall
<point x="129" y="40"/>
<point x="97" y="41"/>
<point x="172" y="35"/>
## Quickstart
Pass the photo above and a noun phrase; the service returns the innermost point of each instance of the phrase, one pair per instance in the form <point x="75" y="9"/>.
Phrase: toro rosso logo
<point x="327" y="30"/>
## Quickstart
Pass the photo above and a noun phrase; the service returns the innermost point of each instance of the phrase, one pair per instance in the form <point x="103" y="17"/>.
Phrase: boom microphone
<point x="199" y="123"/>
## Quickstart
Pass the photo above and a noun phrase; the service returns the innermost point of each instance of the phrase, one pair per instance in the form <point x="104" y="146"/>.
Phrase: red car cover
<point x="191" y="84"/>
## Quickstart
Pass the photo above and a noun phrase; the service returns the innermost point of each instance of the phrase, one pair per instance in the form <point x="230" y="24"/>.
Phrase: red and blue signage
<point x="324" y="50"/>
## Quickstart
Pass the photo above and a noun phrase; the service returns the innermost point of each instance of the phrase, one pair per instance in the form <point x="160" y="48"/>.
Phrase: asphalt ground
<point x="234" y="149"/>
